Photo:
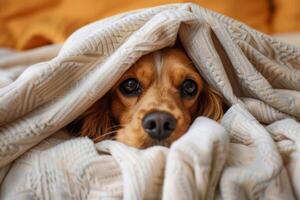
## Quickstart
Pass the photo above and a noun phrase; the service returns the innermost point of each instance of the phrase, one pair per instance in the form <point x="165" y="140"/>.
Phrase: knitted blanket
<point x="252" y="154"/>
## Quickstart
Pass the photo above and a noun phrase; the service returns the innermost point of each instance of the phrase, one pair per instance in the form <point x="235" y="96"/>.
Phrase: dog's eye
<point x="130" y="87"/>
<point x="188" y="88"/>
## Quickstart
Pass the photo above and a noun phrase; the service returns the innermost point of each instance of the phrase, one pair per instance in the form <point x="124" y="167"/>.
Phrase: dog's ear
<point x="94" y="122"/>
<point x="210" y="103"/>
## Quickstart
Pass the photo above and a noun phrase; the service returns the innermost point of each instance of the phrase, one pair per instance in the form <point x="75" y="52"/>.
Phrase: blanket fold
<point x="252" y="153"/>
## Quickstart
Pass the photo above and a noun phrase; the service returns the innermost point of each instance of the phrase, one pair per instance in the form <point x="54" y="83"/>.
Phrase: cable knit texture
<point x="253" y="153"/>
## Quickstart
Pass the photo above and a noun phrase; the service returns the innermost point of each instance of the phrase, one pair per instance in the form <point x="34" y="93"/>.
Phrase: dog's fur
<point x="160" y="74"/>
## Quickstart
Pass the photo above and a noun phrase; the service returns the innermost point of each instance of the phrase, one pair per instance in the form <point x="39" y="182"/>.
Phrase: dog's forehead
<point x="158" y="62"/>
<point x="170" y="57"/>
<point x="168" y="61"/>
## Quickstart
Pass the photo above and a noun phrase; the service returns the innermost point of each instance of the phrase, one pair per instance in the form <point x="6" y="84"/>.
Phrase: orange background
<point x="27" y="24"/>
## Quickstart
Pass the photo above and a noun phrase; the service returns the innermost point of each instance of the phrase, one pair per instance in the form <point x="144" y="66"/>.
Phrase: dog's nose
<point x="159" y="125"/>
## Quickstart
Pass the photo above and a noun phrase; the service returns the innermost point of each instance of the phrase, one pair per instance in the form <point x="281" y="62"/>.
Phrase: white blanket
<point x="252" y="154"/>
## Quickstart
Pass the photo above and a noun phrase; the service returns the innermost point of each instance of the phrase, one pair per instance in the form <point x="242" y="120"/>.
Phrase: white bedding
<point x="252" y="154"/>
<point x="290" y="38"/>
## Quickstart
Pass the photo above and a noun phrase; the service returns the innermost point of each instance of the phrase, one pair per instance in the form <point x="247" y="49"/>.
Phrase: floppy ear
<point x="94" y="122"/>
<point x="210" y="103"/>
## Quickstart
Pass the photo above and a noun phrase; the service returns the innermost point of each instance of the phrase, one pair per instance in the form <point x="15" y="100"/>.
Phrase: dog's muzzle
<point x="159" y="124"/>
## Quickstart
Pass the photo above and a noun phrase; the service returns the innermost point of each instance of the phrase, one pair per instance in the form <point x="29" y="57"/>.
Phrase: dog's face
<point x="154" y="102"/>
<point x="156" y="99"/>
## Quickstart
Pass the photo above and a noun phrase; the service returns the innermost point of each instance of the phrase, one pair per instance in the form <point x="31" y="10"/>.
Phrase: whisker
<point x="116" y="126"/>
<point x="109" y="133"/>
<point x="100" y="137"/>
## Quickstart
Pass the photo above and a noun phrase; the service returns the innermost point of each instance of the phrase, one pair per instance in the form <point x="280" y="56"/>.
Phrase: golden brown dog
<point x="153" y="103"/>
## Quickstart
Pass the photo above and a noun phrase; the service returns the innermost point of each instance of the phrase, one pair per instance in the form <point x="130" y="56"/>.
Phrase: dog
<point x="153" y="103"/>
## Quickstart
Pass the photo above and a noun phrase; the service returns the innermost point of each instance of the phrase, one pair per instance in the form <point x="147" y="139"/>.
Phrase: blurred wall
<point x="27" y="24"/>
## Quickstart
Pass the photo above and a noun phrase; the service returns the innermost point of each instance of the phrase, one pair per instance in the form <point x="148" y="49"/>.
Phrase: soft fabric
<point x="252" y="154"/>
<point x="36" y="23"/>
<point x="290" y="38"/>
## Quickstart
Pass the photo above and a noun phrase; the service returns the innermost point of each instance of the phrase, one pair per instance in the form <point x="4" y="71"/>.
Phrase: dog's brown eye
<point x="130" y="87"/>
<point x="188" y="88"/>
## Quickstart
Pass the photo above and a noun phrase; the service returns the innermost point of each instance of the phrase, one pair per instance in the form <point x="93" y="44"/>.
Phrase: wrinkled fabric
<point x="253" y="153"/>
